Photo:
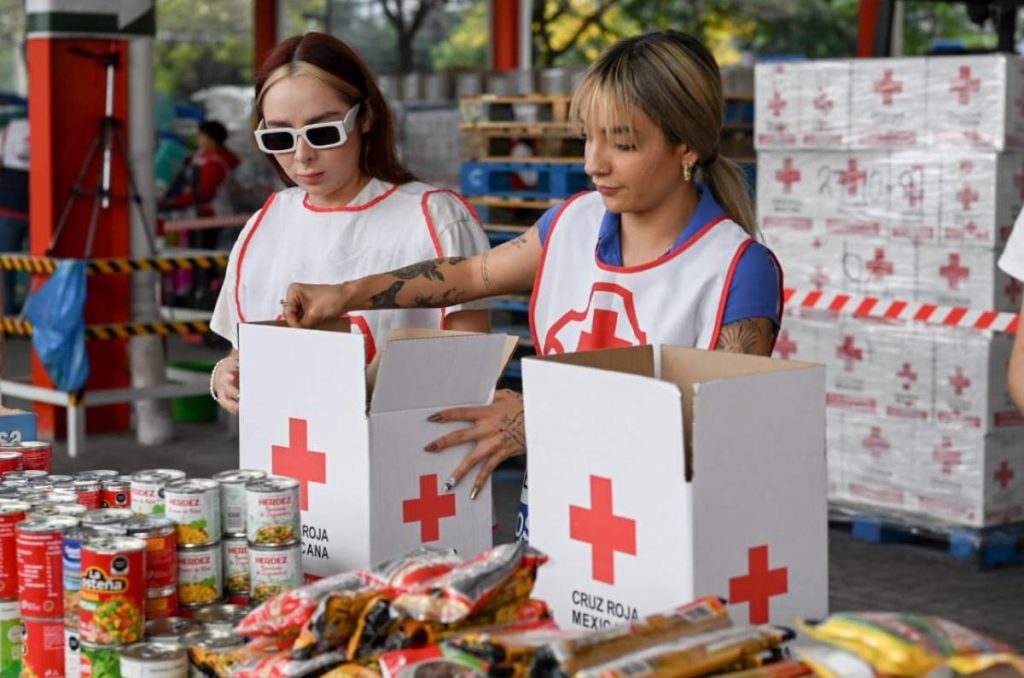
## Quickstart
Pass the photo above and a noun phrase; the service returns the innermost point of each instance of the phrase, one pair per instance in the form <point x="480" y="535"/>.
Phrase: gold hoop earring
<point x="688" y="173"/>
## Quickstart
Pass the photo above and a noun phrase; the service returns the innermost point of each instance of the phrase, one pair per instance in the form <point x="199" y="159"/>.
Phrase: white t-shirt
<point x="1012" y="259"/>
<point x="383" y="228"/>
<point x="14" y="142"/>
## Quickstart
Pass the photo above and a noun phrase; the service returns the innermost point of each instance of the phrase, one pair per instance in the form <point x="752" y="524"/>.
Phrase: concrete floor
<point x="863" y="576"/>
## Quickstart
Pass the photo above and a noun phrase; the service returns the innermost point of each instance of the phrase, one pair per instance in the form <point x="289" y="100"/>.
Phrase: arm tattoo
<point x="428" y="269"/>
<point x="447" y="298"/>
<point x="754" y="336"/>
<point x="521" y="241"/>
<point x="483" y="271"/>
<point x="387" y="298"/>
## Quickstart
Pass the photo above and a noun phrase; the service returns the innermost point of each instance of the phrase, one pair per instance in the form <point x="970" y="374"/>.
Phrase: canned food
<point x="88" y="492"/>
<point x="60" y="478"/>
<point x="43" y="650"/>
<point x="25" y="475"/>
<point x="10" y="460"/>
<point x="212" y="640"/>
<point x="72" y="599"/>
<point x="232" y="497"/>
<point x="111" y="521"/>
<point x="236" y="566"/>
<point x="238" y="599"/>
<point x="162" y="603"/>
<point x="169" y="630"/>
<point x="115" y="493"/>
<point x="194" y="505"/>
<point x="154" y="660"/>
<point x="113" y="595"/>
<point x="36" y="455"/>
<point x="44" y="484"/>
<point x="97" y="474"/>
<point x="272" y="510"/>
<point x="47" y="508"/>
<point x="39" y="552"/>
<point x="200" y="575"/>
<point x="100" y="661"/>
<point x="274" y="569"/>
<point x="72" y="652"/>
<point x="11" y="513"/>
<point x="11" y="632"/>
<point x="72" y="560"/>
<point x="147" y="489"/>
<point x="221" y="617"/>
<point x="9" y="491"/>
<point x="161" y="561"/>
<point x="61" y="497"/>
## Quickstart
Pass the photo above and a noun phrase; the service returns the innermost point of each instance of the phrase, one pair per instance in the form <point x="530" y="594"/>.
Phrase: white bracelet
<point x="213" y="374"/>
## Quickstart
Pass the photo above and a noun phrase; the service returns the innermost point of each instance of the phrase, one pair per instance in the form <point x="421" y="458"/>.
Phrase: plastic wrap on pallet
<point x="923" y="102"/>
<point x="956" y="198"/>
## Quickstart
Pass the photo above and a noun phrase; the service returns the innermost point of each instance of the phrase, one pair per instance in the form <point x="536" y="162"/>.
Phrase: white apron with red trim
<point x="293" y="242"/>
<point x="581" y="304"/>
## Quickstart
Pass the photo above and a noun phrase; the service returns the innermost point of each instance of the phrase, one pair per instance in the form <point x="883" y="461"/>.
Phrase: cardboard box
<point x="964" y="276"/>
<point x="825" y="104"/>
<point x="915" y="196"/>
<point x="369" y="490"/>
<point x="889" y="103"/>
<point x="874" y="459"/>
<point x="647" y="488"/>
<point x="777" y="105"/>
<point x="787" y="190"/>
<point x="17" y="426"/>
<point x="971" y="388"/>
<point x="973" y="101"/>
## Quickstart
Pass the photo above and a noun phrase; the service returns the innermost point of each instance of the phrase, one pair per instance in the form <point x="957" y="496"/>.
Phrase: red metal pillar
<point x="867" y="24"/>
<point x="66" y="107"/>
<point x="264" y="29"/>
<point x="505" y="35"/>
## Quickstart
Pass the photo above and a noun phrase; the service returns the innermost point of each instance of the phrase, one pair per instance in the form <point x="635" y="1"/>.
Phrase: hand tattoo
<point x="753" y="336"/>
<point x="387" y="298"/>
<point x="513" y="428"/>
<point x="428" y="269"/>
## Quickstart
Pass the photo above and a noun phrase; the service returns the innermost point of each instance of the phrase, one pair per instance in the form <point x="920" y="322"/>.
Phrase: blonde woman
<point x="663" y="252"/>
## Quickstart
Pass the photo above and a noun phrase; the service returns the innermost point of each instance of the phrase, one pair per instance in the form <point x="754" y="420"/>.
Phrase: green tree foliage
<point x="201" y="43"/>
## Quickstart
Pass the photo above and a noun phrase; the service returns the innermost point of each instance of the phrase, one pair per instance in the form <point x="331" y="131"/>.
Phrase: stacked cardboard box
<point x="901" y="179"/>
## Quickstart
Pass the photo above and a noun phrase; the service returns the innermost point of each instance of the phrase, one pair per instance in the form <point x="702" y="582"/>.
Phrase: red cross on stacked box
<point x="623" y="504"/>
<point x="971" y="101"/>
<point x="888" y="102"/>
<point x="825" y="119"/>
<point x="305" y="416"/>
<point x="777" y="105"/>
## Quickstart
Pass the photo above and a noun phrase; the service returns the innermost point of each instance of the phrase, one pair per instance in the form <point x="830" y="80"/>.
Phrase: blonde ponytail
<point x="728" y="184"/>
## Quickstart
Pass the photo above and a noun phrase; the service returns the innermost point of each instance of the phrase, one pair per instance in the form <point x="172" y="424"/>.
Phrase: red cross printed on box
<point x="822" y="101"/>
<point x="964" y="86"/>
<point x="953" y="272"/>
<point x="777" y="103"/>
<point x="849" y="353"/>
<point x="967" y="197"/>
<point x="971" y="227"/>
<point x="606" y="532"/>
<point x="819" y="278"/>
<point x="908" y="375"/>
<point x="852" y="177"/>
<point x="959" y="381"/>
<point x="429" y="509"/>
<point x="787" y="176"/>
<point x="602" y="332"/>
<point x="784" y="346"/>
<point x="946" y="456"/>
<point x="1004" y="474"/>
<point x="879" y="266"/>
<point x="1012" y="290"/>
<point x="876" y="444"/>
<point x="298" y="461"/>
<point x="759" y="585"/>
<point x="888" y="86"/>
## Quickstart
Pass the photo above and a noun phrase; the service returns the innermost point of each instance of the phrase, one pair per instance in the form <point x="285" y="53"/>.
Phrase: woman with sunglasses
<point x="350" y="208"/>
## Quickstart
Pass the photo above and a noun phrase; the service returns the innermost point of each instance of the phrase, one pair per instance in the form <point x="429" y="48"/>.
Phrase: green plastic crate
<point x="194" y="409"/>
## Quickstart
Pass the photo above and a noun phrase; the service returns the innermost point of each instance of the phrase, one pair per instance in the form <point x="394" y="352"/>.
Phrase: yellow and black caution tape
<point x="23" y="328"/>
<point x="45" y="265"/>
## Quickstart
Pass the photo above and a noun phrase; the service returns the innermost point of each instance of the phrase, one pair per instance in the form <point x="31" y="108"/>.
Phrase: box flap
<point x="439" y="371"/>
<point x="687" y="367"/>
<point x="339" y="325"/>
<point x="637" y="360"/>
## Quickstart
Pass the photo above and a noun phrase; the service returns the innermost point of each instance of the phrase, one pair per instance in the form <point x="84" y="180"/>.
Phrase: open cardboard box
<point x="369" y="490"/>
<point x="649" y="489"/>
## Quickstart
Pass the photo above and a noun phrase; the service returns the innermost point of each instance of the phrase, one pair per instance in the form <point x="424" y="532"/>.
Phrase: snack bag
<point x="354" y="670"/>
<point x="221" y="663"/>
<point x="411" y="571"/>
<point x="334" y="620"/>
<point x="282" y="665"/>
<point x="912" y="645"/>
<point x="436" y="660"/>
<point x="470" y="586"/>
<point x="573" y="654"/>
<point x="508" y="651"/>
<point x="285" y="613"/>
<point x="782" y="669"/>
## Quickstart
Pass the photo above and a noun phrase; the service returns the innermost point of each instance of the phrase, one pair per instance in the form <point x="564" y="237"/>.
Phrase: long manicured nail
<point x="434" y="418"/>
<point x="474" y="492"/>
<point x="431" y="447"/>
<point x="448" y="485"/>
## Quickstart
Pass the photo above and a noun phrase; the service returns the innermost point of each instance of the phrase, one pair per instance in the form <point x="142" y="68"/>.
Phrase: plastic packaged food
<point x="412" y="570"/>
<point x="286" y="613"/>
<point x="912" y="645"/>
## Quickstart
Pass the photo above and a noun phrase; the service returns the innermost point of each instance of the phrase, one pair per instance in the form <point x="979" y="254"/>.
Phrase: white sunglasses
<point x="319" y="135"/>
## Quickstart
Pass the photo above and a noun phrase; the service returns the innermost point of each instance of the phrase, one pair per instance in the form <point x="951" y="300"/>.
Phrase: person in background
<point x="665" y="250"/>
<point x="14" y="166"/>
<point x="1012" y="263"/>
